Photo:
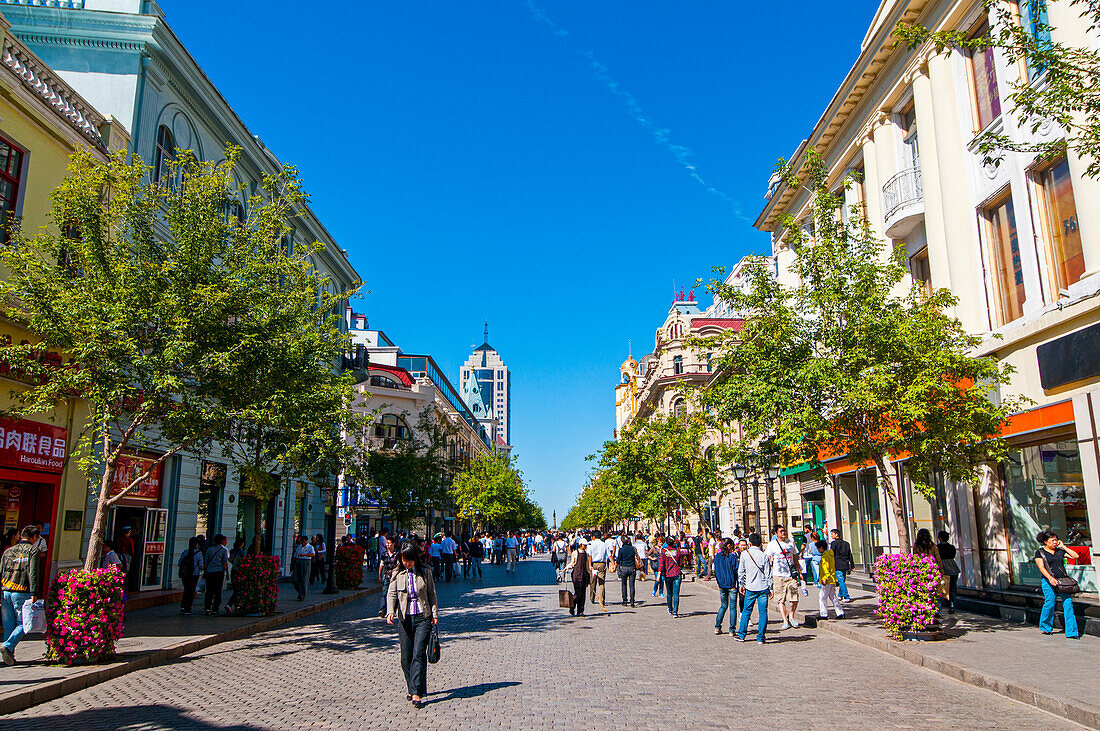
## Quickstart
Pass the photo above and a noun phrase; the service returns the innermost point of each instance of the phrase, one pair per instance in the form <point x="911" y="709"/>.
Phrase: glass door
<point x="152" y="561"/>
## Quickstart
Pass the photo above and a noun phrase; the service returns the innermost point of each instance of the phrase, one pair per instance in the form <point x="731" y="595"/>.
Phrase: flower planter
<point x="908" y="590"/>
<point x="256" y="583"/>
<point x="85" y="611"/>
<point x="349" y="566"/>
<point x="929" y="635"/>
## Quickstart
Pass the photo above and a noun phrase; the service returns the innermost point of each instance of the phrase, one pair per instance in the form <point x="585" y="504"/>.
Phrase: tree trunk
<point x="889" y="486"/>
<point x="99" y="523"/>
<point x="258" y="543"/>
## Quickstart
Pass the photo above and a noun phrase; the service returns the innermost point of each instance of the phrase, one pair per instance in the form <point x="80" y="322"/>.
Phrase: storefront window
<point x="871" y="514"/>
<point x="1044" y="490"/>
<point x="211" y="489"/>
<point x="925" y="512"/>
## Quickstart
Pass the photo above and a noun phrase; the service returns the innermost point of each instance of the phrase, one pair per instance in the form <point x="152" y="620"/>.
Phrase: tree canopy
<point x="855" y="360"/>
<point x="182" y="323"/>
<point x="491" y="492"/>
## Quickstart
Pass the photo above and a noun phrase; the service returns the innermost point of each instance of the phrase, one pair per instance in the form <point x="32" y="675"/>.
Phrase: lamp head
<point x="772" y="473"/>
<point x="740" y="472"/>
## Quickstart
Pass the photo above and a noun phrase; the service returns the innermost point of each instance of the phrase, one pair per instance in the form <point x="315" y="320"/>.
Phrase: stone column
<point x="930" y="176"/>
<point x="955" y="199"/>
<point x="872" y="183"/>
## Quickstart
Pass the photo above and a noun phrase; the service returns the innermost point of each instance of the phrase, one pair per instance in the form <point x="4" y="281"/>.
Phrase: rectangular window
<point x="983" y="79"/>
<point x="910" y="150"/>
<point x="1033" y="18"/>
<point x="11" y="167"/>
<point x="921" y="272"/>
<point x="1059" y="209"/>
<point x="1003" y="244"/>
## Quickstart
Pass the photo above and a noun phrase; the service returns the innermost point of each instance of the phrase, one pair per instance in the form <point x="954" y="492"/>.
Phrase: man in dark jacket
<point x="842" y="551"/>
<point x="19" y="576"/>
<point x="725" y="573"/>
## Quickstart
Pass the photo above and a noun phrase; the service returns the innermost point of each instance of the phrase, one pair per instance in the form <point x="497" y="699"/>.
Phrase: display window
<point x="1044" y="490"/>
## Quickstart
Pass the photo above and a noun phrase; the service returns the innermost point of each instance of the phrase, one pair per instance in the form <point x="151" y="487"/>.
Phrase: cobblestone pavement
<point x="513" y="659"/>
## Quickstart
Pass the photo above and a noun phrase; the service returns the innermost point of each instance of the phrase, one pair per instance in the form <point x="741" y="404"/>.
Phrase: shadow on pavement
<point x="471" y="691"/>
<point x="147" y="718"/>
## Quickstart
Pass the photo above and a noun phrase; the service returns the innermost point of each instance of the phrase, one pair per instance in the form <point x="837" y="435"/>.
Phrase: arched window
<point x="383" y="382"/>
<point x="391" y="426"/>
<point x="677" y="365"/>
<point x="165" y="155"/>
<point x="678" y="407"/>
<point x="234" y="212"/>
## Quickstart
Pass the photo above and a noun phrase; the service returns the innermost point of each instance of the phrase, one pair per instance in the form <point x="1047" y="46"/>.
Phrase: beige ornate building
<point x="1018" y="244"/>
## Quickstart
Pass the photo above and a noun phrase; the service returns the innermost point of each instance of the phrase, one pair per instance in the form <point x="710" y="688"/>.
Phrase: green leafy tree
<point x="165" y="304"/>
<point x="600" y="504"/>
<point x="1068" y="92"/>
<point x="855" y="361"/>
<point x="491" y="489"/>
<point x="660" y="463"/>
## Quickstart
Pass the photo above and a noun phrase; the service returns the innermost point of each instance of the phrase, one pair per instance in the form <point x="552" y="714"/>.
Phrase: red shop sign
<point x="154" y="547"/>
<point x="129" y="467"/>
<point x="31" y="445"/>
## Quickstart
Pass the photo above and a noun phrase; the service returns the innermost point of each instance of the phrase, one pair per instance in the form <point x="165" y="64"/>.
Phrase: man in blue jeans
<point x="725" y="573"/>
<point x="754" y="579"/>
<point x="842" y="552"/>
<point x="19" y="577"/>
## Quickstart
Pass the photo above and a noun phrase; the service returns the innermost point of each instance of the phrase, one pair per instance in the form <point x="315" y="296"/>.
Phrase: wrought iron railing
<point x="902" y="190"/>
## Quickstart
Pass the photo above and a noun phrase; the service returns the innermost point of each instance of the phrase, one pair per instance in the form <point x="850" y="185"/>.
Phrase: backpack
<point x="187" y="564"/>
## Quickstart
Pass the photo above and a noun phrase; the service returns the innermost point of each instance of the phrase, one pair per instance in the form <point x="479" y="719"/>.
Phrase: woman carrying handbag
<point x="1057" y="585"/>
<point x="411" y="599"/>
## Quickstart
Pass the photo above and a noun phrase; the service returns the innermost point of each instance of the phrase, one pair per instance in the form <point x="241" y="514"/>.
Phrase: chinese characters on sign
<point x="31" y="445"/>
<point x="131" y="466"/>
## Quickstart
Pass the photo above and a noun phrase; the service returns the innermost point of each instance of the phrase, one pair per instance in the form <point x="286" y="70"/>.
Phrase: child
<point x="826" y="582"/>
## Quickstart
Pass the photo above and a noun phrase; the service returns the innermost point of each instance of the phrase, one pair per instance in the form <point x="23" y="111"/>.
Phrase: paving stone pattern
<point x="513" y="660"/>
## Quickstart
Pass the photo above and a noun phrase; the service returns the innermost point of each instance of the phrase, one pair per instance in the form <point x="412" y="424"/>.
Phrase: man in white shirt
<point x="754" y="581"/>
<point x="300" y="565"/>
<point x="640" y="548"/>
<point x="448" y="546"/>
<point x="600" y="553"/>
<point x="783" y="557"/>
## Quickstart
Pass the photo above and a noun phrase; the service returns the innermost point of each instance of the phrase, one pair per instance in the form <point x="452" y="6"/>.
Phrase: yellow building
<point x="42" y="122"/>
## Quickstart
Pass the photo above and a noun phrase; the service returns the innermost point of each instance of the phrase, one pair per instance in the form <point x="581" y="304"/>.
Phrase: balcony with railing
<point x="903" y="203"/>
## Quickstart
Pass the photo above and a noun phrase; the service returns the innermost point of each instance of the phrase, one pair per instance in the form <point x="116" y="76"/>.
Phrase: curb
<point x="22" y="699"/>
<point x="1085" y="714"/>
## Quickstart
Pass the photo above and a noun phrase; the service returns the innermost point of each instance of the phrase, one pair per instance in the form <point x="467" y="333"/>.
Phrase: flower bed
<point x="84" y="615"/>
<point x="349" y="566"/>
<point x="908" y="588"/>
<point x="256" y="584"/>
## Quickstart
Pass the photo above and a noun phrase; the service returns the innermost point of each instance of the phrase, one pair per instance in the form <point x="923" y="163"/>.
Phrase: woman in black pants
<point x="579" y="570"/>
<point x="411" y="598"/>
<point x="626" y="557"/>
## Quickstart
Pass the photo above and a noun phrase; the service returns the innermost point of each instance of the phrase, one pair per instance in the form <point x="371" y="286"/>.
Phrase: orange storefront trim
<point x="1044" y="417"/>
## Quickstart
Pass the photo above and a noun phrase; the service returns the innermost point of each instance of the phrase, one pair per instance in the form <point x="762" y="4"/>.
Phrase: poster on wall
<point x="129" y="467"/>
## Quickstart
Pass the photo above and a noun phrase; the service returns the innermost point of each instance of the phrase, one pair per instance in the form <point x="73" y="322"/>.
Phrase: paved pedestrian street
<point x="513" y="660"/>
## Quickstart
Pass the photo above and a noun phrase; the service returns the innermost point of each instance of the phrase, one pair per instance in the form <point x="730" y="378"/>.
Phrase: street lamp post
<point x="330" y="542"/>
<point x="771" y="474"/>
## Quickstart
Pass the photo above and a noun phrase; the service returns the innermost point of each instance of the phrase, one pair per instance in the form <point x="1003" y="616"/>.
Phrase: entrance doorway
<point x="126" y="528"/>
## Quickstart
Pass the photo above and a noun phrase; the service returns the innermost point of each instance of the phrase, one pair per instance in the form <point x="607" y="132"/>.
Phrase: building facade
<point x="493" y="387"/>
<point x="405" y="396"/>
<point x="42" y="122"/>
<point x="125" y="60"/>
<point x="1017" y="243"/>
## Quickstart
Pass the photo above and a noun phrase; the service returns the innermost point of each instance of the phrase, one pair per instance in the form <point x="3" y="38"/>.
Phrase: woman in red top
<point x="669" y="567"/>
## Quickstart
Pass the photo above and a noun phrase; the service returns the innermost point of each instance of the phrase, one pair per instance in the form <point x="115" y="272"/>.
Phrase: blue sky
<point x="553" y="168"/>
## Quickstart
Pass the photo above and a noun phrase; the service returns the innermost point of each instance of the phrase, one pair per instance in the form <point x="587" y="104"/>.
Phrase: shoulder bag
<point x="1068" y="585"/>
<point x="433" y="645"/>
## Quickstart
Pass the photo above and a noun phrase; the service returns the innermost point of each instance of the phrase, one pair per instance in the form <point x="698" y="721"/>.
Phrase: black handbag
<point x="433" y="645"/>
<point x="1068" y="585"/>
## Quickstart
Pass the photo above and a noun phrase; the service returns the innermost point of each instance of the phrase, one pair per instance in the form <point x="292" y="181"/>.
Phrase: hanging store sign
<point x="32" y="445"/>
<point x="129" y="467"/>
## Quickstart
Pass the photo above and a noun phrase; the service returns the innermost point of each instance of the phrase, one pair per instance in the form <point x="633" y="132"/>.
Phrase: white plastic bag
<point x="34" y="616"/>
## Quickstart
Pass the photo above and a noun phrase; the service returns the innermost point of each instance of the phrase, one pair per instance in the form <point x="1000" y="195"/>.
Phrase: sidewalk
<point x="1013" y="660"/>
<point x="152" y="637"/>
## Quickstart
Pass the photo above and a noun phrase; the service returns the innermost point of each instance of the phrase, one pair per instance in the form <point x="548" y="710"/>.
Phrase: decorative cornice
<point x="58" y="95"/>
<point x="99" y="44"/>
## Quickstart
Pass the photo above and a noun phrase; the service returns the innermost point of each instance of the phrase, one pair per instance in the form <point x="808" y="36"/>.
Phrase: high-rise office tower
<point x="493" y="381"/>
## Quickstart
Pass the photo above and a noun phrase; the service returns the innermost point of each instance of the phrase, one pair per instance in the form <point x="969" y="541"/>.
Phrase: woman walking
<point x="411" y="598"/>
<point x="653" y="553"/>
<point x="670" y="569"/>
<point x="580" y="571"/>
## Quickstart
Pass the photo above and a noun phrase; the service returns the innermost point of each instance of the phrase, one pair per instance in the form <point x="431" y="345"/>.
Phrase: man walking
<point x="725" y="573"/>
<point x="21" y="584"/>
<point x="783" y="556"/>
<point x="754" y="579"/>
<point x="216" y="561"/>
<point x="699" y="544"/>
<point x="448" y="546"/>
<point x="826" y="582"/>
<point x="599" y="551"/>
<point x="300" y="566"/>
<point x="842" y="552"/>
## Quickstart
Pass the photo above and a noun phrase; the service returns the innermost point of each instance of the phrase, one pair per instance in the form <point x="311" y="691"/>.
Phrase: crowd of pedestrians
<point x="749" y="573"/>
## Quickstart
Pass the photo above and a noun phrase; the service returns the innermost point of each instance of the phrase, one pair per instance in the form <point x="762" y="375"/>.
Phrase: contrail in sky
<point x="661" y="135"/>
